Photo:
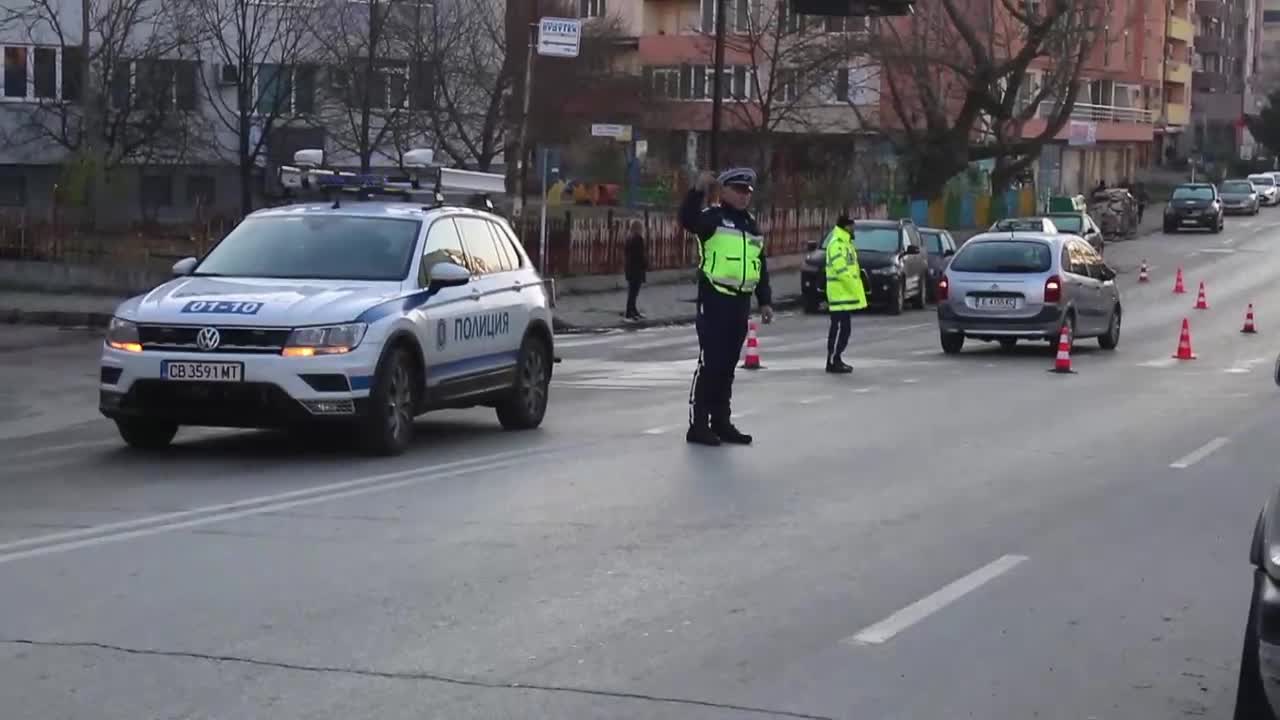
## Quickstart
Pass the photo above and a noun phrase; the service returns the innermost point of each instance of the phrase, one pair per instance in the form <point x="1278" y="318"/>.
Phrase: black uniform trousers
<point x="722" y="328"/>
<point x="838" y="335"/>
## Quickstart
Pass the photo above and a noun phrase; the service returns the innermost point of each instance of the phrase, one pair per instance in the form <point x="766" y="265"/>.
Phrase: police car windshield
<point x="876" y="239"/>
<point x="320" y="247"/>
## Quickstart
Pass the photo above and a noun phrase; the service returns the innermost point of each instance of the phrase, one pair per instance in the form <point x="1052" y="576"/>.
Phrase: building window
<point x="200" y="191"/>
<point x="13" y="191"/>
<point x="155" y="85"/>
<point x="591" y="8"/>
<point x="390" y="84"/>
<point x="42" y="73"/>
<point x="1271" y="16"/>
<point x="156" y="191"/>
<point x="15" y="72"/>
<point x="697" y="82"/>
<point x="286" y="90"/>
<point x="857" y="85"/>
<point x="740" y="15"/>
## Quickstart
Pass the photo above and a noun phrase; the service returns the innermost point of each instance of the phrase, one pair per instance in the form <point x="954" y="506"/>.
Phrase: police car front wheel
<point x="388" y="424"/>
<point x="145" y="434"/>
<point x="526" y="404"/>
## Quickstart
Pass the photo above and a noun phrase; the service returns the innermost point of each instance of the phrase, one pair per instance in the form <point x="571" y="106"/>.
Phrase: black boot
<point x="837" y="366"/>
<point x="723" y="428"/>
<point x="700" y="431"/>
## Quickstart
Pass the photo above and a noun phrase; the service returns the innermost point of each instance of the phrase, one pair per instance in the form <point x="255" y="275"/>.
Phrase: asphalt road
<point x="929" y="537"/>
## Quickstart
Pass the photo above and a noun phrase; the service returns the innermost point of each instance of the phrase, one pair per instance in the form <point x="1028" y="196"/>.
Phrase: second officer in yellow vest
<point x="845" y="293"/>
<point x="731" y="270"/>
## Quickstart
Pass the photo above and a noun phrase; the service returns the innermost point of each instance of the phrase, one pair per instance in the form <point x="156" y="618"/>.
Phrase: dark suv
<point x="894" y="266"/>
<point x="1194" y="205"/>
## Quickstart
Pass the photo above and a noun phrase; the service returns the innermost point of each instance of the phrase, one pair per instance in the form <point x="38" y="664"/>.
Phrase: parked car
<point x="1258" y="687"/>
<point x="1240" y="196"/>
<point x="1081" y="224"/>
<point x="1116" y="211"/>
<point x="1026" y="286"/>
<point x="1194" y="205"/>
<point x="894" y="266"/>
<point x="1024" y="224"/>
<point x="939" y="246"/>
<point x="1267" y="187"/>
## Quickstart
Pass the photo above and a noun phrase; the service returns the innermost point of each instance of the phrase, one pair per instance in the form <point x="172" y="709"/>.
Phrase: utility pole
<point x="717" y="86"/>
<point x="523" y="133"/>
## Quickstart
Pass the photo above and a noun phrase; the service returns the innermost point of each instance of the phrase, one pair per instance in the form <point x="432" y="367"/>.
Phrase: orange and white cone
<point x="1062" y="363"/>
<point x="1184" y="343"/>
<point x="1142" y="272"/>
<point x="1178" y="288"/>
<point x="752" y="360"/>
<point x="1249" y="328"/>
<point x="1201" y="302"/>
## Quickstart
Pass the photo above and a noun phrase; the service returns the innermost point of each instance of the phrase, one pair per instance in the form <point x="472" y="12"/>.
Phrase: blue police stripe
<point x="360" y="382"/>
<point x="466" y="366"/>
<point x="399" y="305"/>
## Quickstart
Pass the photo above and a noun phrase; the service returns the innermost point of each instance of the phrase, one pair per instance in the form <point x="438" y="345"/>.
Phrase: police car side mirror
<point x="447" y="274"/>
<point x="948" y="252"/>
<point x="184" y="267"/>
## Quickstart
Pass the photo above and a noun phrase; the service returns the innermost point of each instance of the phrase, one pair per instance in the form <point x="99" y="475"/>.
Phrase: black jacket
<point x="703" y="223"/>
<point x="636" y="260"/>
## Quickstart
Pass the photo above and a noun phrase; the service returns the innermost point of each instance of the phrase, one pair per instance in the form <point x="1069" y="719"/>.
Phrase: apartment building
<point x="1266" y="67"/>
<point x="1220" y="68"/>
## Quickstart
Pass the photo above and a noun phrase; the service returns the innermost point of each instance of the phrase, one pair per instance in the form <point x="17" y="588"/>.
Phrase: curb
<point x="790" y="302"/>
<point x="62" y="318"/>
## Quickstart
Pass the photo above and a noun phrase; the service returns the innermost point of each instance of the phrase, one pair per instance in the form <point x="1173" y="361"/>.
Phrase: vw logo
<point x="442" y="334"/>
<point x="208" y="338"/>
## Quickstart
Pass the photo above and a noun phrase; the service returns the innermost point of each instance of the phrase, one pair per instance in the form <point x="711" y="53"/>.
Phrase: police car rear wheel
<point x="146" y="434"/>
<point x="388" y="427"/>
<point x="525" y="406"/>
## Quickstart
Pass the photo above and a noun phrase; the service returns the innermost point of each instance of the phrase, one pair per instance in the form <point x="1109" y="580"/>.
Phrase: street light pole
<point x="717" y="85"/>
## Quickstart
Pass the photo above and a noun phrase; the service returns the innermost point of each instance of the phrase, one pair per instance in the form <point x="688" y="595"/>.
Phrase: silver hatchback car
<point x="1008" y="286"/>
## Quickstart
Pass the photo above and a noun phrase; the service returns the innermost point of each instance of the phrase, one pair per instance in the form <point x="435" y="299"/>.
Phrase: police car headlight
<point x="325" y="340"/>
<point x="123" y="335"/>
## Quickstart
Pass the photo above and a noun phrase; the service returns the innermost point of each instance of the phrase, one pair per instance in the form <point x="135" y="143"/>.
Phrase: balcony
<point x="1209" y="82"/>
<point x="1180" y="29"/>
<point x="1178" y="73"/>
<point x="1177" y="114"/>
<point x="1102" y="113"/>
<point x="1212" y="9"/>
<point x="1211" y="45"/>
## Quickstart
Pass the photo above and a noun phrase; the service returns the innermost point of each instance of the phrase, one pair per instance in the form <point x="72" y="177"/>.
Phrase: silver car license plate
<point x="201" y="371"/>
<point x="996" y="303"/>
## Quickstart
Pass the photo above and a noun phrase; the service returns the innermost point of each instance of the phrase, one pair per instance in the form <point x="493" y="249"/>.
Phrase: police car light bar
<point x="452" y="180"/>
<point x="308" y="175"/>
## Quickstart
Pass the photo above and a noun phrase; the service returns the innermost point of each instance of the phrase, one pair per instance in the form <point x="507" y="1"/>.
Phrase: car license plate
<point x="1189" y="221"/>
<point x="202" y="371"/>
<point x="996" y="303"/>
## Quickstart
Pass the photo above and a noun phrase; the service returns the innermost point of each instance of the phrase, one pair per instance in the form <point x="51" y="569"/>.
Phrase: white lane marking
<point x="573" y="341"/>
<point x="1237" y="370"/>
<point x="222" y="509"/>
<point x="815" y="399"/>
<point x="1160" y="363"/>
<point x="926" y="351"/>
<point x="864" y="389"/>
<point x="1199" y="453"/>
<point x="1228" y="241"/>
<point x="186" y="435"/>
<point x="910" y="381"/>
<point x="1217" y="251"/>
<point x="924" y="607"/>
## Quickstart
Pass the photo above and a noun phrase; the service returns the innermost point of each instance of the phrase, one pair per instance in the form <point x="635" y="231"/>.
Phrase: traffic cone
<point x="752" y="360"/>
<point x="1062" y="363"/>
<point x="1248" y="328"/>
<point x="1142" y="272"/>
<point x="1201" y="303"/>
<point x="1178" y="289"/>
<point x="1184" y="343"/>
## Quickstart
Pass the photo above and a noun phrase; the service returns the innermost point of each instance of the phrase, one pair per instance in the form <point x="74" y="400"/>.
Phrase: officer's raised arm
<point x="692" y="216"/>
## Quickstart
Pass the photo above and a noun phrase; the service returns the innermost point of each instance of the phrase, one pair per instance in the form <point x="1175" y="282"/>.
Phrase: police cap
<point x="738" y="177"/>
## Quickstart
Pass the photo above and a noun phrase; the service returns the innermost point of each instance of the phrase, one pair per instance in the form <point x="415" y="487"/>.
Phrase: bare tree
<point x="257" y="83"/>
<point x="126" y="96"/>
<point x="957" y="84"/>
<point x="473" y="79"/>
<point x="786" y="74"/>
<point x="380" y="77"/>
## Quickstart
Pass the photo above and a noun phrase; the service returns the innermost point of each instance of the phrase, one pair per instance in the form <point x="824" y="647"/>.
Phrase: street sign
<point x="559" y="37"/>
<point x="642" y="148"/>
<point x="621" y="133"/>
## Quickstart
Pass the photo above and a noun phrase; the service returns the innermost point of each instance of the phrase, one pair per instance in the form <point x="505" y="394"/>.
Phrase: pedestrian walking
<point x="845" y="293"/>
<point x="636" y="264"/>
<point x="732" y="268"/>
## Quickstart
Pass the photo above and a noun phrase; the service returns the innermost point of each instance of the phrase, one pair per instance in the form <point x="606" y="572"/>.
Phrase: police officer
<point x="845" y="293"/>
<point x="732" y="267"/>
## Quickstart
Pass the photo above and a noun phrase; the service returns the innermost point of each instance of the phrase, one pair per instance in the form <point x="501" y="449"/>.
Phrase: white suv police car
<point x="368" y="313"/>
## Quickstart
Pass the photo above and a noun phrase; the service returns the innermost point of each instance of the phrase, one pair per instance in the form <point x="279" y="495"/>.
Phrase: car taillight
<point x="943" y="288"/>
<point x="1053" y="289"/>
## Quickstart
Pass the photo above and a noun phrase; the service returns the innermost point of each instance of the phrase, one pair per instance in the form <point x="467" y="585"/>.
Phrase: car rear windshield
<point x="1193" y="193"/>
<point x="1003" y="256"/>
<point x="877" y="239"/>
<point x="319" y="247"/>
<point x="1262" y="180"/>
<point x="1068" y="223"/>
<point x="932" y="242"/>
<point x="1240" y="186"/>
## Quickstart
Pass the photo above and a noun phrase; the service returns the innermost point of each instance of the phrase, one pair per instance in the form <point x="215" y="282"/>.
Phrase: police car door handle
<point x="475" y="293"/>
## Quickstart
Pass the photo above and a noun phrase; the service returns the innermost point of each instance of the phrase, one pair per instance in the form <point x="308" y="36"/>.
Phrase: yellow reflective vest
<point x="844" y="276"/>
<point x="731" y="260"/>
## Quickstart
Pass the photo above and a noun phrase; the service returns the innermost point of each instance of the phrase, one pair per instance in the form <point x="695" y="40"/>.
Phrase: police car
<point x="353" y="310"/>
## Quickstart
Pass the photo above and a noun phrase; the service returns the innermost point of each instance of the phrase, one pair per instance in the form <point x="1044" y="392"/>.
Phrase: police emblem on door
<point x="442" y="334"/>
<point x="208" y="339"/>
